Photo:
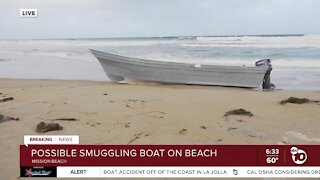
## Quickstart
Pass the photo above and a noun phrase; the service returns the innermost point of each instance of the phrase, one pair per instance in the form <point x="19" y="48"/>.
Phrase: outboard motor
<point x="266" y="80"/>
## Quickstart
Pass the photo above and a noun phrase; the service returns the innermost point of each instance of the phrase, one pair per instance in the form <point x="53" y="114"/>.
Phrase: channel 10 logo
<point x="299" y="156"/>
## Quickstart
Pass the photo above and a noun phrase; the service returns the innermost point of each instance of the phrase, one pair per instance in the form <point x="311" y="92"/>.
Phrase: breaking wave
<point x="258" y="41"/>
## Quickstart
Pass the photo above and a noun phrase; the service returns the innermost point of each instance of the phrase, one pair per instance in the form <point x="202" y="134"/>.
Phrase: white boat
<point x="118" y="68"/>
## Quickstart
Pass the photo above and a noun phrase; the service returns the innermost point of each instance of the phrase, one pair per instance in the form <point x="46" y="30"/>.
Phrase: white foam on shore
<point x="48" y="67"/>
<point x="294" y="135"/>
<point x="258" y="41"/>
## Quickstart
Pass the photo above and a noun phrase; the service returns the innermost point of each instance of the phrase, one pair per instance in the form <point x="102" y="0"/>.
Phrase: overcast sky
<point x="144" y="18"/>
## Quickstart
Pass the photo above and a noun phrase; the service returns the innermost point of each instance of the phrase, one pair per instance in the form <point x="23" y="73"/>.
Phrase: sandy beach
<point x="107" y="113"/>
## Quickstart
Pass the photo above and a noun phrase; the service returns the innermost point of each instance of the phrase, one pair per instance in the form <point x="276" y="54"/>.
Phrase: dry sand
<point x="109" y="113"/>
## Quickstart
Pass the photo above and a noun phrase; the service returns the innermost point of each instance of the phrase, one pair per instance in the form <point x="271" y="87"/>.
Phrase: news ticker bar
<point x="174" y="172"/>
<point x="169" y="155"/>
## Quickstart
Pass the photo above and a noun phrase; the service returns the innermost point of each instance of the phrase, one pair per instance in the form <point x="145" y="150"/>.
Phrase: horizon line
<point x="159" y="37"/>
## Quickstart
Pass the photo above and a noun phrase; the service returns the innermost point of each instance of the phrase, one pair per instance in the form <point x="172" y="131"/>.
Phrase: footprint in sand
<point x="127" y="125"/>
<point x="183" y="131"/>
<point x="136" y="136"/>
<point x="137" y="103"/>
<point x="154" y="114"/>
<point x="232" y="128"/>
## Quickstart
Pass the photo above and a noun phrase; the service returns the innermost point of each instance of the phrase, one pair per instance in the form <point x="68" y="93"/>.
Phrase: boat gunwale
<point x="132" y="60"/>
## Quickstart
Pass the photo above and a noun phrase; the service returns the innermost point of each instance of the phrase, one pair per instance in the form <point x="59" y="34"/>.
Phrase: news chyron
<point x="67" y="158"/>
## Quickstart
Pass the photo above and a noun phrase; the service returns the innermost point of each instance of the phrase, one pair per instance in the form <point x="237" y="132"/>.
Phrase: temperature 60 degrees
<point x="272" y="160"/>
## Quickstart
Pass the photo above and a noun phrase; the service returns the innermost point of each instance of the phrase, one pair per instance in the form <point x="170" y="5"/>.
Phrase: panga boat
<point x="118" y="68"/>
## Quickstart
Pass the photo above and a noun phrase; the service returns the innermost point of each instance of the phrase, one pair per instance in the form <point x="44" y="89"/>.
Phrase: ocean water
<point x="295" y="58"/>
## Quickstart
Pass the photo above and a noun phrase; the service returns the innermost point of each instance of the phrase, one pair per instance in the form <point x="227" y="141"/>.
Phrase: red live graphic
<point x="169" y="155"/>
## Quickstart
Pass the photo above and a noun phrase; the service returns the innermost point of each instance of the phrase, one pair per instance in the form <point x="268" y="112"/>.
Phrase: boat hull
<point x="118" y="68"/>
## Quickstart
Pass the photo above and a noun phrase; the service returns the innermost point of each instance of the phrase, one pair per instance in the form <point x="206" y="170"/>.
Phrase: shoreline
<point x="146" y="83"/>
<point x="110" y="113"/>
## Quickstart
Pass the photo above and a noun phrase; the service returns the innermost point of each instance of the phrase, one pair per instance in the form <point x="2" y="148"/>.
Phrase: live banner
<point x="202" y="161"/>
